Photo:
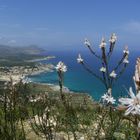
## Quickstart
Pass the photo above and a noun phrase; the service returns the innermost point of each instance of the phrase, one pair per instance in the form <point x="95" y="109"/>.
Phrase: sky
<point x="63" y="24"/>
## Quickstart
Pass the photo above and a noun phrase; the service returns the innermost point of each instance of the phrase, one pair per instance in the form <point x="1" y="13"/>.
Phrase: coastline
<point x="16" y="73"/>
<point x="41" y="59"/>
<point x="55" y="88"/>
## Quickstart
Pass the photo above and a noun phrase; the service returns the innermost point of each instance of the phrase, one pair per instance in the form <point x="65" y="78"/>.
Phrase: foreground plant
<point x="41" y="119"/>
<point x="61" y="68"/>
<point x="13" y="111"/>
<point x="109" y="76"/>
<point x="70" y="114"/>
<point x="132" y="104"/>
<point x="107" y="98"/>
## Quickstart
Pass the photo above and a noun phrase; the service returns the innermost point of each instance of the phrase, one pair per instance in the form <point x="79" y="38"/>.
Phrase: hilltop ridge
<point x="18" y="55"/>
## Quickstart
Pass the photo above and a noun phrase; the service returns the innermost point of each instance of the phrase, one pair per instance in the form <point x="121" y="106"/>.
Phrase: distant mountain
<point x="11" y="50"/>
<point x="13" y="55"/>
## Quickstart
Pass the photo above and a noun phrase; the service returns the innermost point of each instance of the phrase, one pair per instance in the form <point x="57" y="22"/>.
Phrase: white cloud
<point x="16" y="25"/>
<point x="12" y="41"/>
<point x="2" y="7"/>
<point x="41" y="28"/>
<point x="133" y="27"/>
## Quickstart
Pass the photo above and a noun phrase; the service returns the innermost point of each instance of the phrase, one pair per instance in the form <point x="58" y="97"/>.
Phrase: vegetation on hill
<point x="13" y="56"/>
<point x="36" y="112"/>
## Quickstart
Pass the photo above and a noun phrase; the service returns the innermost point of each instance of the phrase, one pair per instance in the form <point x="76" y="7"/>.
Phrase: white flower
<point x="61" y="67"/>
<point x="126" y="51"/>
<point x="132" y="104"/>
<point x="79" y="59"/>
<point x="107" y="97"/>
<point x="103" y="69"/>
<point x="113" y="38"/>
<point x="137" y="75"/>
<point x="103" y="43"/>
<point x="87" y="43"/>
<point x="26" y="80"/>
<point x="137" y="70"/>
<point x="104" y="97"/>
<point x="109" y="91"/>
<point x="137" y="78"/>
<point x="126" y="61"/>
<point x="33" y="100"/>
<point x="113" y="74"/>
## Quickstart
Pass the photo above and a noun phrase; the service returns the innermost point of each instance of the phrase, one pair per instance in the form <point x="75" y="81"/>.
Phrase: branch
<point x="93" y="52"/>
<point x="106" y="64"/>
<point x="120" y="73"/>
<point x="110" y="50"/>
<point x="104" y="77"/>
<point x="92" y="73"/>
<point x="120" y="62"/>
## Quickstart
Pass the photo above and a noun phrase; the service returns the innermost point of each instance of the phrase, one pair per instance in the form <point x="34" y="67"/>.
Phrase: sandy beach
<point x="16" y="73"/>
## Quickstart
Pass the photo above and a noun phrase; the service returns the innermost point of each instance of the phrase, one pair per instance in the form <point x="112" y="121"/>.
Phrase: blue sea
<point x="79" y="80"/>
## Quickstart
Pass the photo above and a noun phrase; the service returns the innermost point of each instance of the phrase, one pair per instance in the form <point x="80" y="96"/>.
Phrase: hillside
<point x="14" y="55"/>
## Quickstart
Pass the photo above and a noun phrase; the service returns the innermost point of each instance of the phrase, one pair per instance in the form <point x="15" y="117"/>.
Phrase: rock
<point x="59" y="137"/>
<point x="119" y="136"/>
<point x="82" y="138"/>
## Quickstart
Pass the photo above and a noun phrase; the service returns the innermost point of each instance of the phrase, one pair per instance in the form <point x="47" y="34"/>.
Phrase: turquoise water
<point x="77" y="79"/>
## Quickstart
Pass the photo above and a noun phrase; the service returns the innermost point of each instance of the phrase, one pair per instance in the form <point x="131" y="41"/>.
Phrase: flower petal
<point x="138" y="95"/>
<point x="125" y="101"/>
<point x="129" y="110"/>
<point x="131" y="93"/>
